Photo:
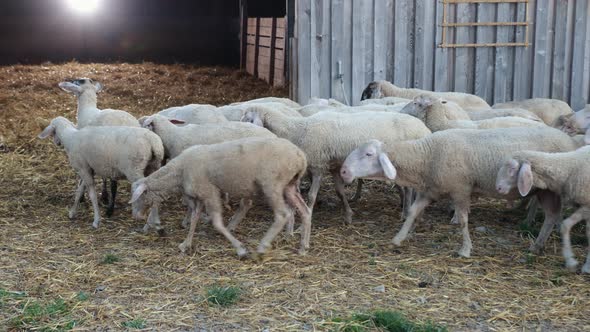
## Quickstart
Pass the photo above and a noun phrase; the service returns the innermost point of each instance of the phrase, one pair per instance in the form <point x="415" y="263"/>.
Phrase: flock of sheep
<point x="431" y="144"/>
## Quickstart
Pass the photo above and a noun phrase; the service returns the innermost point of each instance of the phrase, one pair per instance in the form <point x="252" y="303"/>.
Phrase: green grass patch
<point x="386" y="320"/>
<point x="82" y="296"/>
<point x="134" y="324"/>
<point x="110" y="259"/>
<point x="223" y="295"/>
<point x="52" y="316"/>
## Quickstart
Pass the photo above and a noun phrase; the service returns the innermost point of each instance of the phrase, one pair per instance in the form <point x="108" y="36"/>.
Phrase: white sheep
<point x="88" y="114"/>
<point x="386" y="101"/>
<point x="327" y="142"/>
<point x="549" y="110"/>
<point x="380" y="89"/>
<point x="235" y="112"/>
<point x="285" y="101"/>
<point x="194" y="114"/>
<point x="458" y="163"/>
<point x="565" y="174"/>
<point x="574" y="123"/>
<point x="241" y="168"/>
<point x="434" y="114"/>
<point x="106" y="151"/>
<point x="479" y="114"/>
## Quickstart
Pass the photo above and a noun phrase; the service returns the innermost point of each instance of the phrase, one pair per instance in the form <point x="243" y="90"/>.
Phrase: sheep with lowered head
<point x="241" y="168"/>
<point x="380" y="89"/>
<point x="106" y="151"/>
<point x="549" y="110"/>
<point x="565" y="174"/>
<point x="456" y="163"/>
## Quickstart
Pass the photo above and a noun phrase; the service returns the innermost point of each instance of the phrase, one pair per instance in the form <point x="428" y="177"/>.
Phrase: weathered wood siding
<point x="398" y="40"/>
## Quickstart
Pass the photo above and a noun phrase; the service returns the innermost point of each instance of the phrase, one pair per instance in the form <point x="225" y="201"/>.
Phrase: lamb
<point x="434" y="114"/>
<point x="108" y="151"/>
<point x="380" y="89"/>
<point x="386" y="101"/>
<point x="235" y="112"/>
<point x="285" y="101"/>
<point x="327" y="142"/>
<point x="194" y="114"/>
<point x="458" y="163"/>
<point x="203" y="173"/>
<point x="549" y="110"/>
<point x="565" y="174"/>
<point x="88" y="114"/>
<point x="177" y="138"/>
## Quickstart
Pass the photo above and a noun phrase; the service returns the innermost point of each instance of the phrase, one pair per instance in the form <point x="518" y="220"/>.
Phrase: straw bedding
<point x="45" y="257"/>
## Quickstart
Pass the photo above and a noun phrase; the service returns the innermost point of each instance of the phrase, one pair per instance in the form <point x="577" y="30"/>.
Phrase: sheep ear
<point x="70" y="87"/>
<point x="147" y="122"/>
<point x="142" y="188"/>
<point x="49" y="131"/>
<point x="98" y="87"/>
<point x="387" y="166"/>
<point x="176" y="121"/>
<point x="525" y="179"/>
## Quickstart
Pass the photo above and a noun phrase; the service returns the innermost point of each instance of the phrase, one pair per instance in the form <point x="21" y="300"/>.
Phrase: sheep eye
<point x="369" y="154"/>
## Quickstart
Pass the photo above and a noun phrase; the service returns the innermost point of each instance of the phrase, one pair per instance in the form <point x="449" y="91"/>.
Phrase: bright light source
<point x="83" y="6"/>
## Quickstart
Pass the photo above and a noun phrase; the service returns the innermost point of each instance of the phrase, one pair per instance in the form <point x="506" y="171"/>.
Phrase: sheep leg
<point x="316" y="180"/>
<point x="295" y="200"/>
<point x="586" y="267"/>
<point x="88" y="180"/>
<point x="417" y="207"/>
<point x="111" y="197"/>
<point x="195" y="213"/>
<point x="462" y="214"/>
<point x="245" y="206"/>
<point x="551" y="204"/>
<point x="104" y="195"/>
<point x="153" y="220"/>
<point x="532" y="207"/>
<point x="79" y="194"/>
<point x="213" y="210"/>
<point x="566" y="226"/>
<point x="189" y="210"/>
<point x="407" y="201"/>
<point x="339" y="184"/>
<point x="359" y="190"/>
<point x="82" y="198"/>
<point x="281" y="212"/>
<point x="290" y="228"/>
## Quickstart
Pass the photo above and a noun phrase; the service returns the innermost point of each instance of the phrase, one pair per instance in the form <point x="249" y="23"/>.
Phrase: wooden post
<point x="243" y="33"/>
<point x="256" y="45"/>
<point x="271" y="62"/>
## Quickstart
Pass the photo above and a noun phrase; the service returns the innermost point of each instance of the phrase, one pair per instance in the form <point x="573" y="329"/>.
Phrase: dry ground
<point x="55" y="273"/>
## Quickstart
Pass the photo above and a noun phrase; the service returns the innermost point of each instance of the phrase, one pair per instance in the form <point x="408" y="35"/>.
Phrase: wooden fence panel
<point x="397" y="40"/>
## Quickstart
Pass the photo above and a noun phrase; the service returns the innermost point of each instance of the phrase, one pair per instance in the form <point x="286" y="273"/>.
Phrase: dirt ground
<point x="56" y="274"/>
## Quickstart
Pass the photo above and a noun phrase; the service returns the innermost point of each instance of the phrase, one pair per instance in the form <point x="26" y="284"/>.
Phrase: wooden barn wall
<point x="397" y="40"/>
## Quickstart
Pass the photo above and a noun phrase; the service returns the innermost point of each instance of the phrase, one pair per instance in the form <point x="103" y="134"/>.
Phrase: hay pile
<point x="56" y="274"/>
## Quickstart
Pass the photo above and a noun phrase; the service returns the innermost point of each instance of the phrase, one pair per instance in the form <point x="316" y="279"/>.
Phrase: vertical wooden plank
<point x="304" y="51"/>
<point x="577" y="95"/>
<point x="425" y="31"/>
<point x="442" y="56"/>
<point x="484" y="56"/>
<point x="273" y="44"/>
<point x="464" y="57"/>
<point x="361" y="54"/>
<point x="390" y="28"/>
<point x="243" y="33"/>
<point x="380" y="38"/>
<point x="523" y="59"/>
<point x="558" y="80"/>
<point x="586" y="79"/>
<point x="543" y="48"/>
<point x="337" y="47"/>
<point x="320" y="49"/>
<point x="404" y="43"/>
<point x="504" y="55"/>
<point x="256" y="46"/>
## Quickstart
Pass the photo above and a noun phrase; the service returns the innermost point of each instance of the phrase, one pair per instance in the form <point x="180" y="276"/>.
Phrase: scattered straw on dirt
<point x="57" y="274"/>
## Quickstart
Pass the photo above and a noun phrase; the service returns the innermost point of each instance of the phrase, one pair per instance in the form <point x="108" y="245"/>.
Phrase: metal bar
<point x="477" y="24"/>
<point x="526" y="29"/>
<point x="444" y="15"/>
<point x="484" y="45"/>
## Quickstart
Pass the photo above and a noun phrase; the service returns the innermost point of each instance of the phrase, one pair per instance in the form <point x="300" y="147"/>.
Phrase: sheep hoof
<point x="71" y="215"/>
<point x="464" y="253"/>
<point x="454" y="221"/>
<point x="396" y="241"/>
<point x="571" y="264"/>
<point x="184" y="247"/>
<point x="537" y="250"/>
<point x="302" y="251"/>
<point x="243" y="253"/>
<point x="348" y="218"/>
<point x="96" y="223"/>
